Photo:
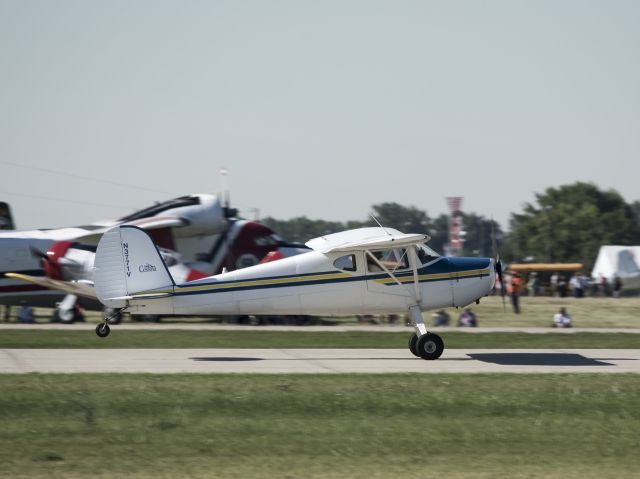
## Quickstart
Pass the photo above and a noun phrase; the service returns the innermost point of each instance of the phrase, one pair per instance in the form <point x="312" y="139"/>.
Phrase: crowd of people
<point x="466" y="319"/>
<point x="560" y="285"/>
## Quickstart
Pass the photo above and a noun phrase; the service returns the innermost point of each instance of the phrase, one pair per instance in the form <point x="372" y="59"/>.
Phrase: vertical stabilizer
<point x="6" y="220"/>
<point x="127" y="262"/>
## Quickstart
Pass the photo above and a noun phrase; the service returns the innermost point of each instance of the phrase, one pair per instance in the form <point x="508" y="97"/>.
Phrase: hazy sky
<point x="316" y="108"/>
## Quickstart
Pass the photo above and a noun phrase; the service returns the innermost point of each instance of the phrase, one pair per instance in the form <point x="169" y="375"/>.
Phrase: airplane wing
<point x="365" y="238"/>
<point x="79" y="289"/>
<point x="157" y="222"/>
<point x="92" y="233"/>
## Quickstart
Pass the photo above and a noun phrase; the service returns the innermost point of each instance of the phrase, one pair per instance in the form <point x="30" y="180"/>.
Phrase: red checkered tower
<point x="456" y="230"/>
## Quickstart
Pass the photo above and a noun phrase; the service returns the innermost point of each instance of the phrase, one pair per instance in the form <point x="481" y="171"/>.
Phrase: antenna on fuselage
<point x="380" y="225"/>
<point x="225" y="187"/>
<point x="226" y="202"/>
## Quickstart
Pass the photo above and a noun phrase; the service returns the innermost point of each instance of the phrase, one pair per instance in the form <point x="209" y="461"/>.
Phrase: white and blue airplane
<point x="361" y="271"/>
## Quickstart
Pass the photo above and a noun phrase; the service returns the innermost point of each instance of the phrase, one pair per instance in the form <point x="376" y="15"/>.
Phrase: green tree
<point x="439" y="233"/>
<point x="478" y="241"/>
<point x="407" y="219"/>
<point x="301" y="229"/>
<point x="570" y="223"/>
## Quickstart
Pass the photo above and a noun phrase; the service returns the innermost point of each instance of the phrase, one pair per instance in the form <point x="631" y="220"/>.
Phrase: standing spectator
<point x="603" y="286"/>
<point x="575" y="285"/>
<point x="562" y="319"/>
<point x="441" y="318"/>
<point x="554" y="284"/>
<point x="468" y="319"/>
<point x="25" y="314"/>
<point x="562" y="287"/>
<point x="533" y="285"/>
<point x="514" y="290"/>
<point x="617" y="286"/>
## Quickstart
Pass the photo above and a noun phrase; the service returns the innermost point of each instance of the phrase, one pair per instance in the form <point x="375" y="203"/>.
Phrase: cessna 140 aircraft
<point x="362" y="271"/>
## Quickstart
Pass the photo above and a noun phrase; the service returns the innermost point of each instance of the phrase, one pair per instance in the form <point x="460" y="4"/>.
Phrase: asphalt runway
<point x="306" y="361"/>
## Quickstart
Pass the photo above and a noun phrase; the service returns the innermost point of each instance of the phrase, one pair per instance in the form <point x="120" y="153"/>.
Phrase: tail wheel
<point x="103" y="330"/>
<point x="430" y="346"/>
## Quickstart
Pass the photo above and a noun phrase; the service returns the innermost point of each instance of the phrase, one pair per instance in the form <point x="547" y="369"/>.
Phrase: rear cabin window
<point x="392" y="259"/>
<point x="346" y="263"/>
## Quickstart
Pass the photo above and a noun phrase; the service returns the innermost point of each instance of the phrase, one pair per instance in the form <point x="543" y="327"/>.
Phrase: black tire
<point x="413" y="345"/>
<point x="103" y="330"/>
<point x="430" y="346"/>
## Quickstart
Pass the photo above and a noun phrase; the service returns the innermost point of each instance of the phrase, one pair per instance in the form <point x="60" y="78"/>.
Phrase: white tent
<point x="621" y="261"/>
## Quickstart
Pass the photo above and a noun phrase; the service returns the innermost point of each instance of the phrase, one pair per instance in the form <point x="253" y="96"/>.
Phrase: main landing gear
<point x="423" y="344"/>
<point x="428" y="346"/>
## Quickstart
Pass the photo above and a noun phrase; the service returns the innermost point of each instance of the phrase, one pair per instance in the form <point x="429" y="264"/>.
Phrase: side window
<point x="392" y="259"/>
<point x="346" y="263"/>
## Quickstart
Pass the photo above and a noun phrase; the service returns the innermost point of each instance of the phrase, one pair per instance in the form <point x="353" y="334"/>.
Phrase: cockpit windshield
<point x="161" y="207"/>
<point x="426" y="254"/>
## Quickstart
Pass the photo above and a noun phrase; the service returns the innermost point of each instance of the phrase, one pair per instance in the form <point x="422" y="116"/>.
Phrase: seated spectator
<point x="25" y="314"/>
<point x="467" y="319"/>
<point x="562" y="319"/>
<point x="441" y="318"/>
<point x="617" y="286"/>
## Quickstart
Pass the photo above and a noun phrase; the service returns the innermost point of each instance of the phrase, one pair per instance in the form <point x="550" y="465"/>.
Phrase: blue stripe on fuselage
<point x="445" y="265"/>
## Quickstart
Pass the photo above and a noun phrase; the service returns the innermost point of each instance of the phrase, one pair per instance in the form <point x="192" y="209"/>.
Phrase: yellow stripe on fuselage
<point x="426" y="277"/>
<point x="257" y="282"/>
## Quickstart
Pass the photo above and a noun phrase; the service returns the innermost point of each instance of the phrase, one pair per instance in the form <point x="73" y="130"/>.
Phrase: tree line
<point x="564" y="224"/>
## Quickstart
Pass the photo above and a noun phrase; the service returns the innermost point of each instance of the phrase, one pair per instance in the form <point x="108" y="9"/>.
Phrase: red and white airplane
<point x="198" y="236"/>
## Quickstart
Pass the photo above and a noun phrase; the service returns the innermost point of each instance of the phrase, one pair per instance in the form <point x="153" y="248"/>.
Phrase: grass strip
<point x="53" y="339"/>
<point x="347" y="426"/>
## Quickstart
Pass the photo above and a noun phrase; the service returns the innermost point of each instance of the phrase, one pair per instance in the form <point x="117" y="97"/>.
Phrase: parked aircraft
<point x="198" y="236"/>
<point x="362" y="271"/>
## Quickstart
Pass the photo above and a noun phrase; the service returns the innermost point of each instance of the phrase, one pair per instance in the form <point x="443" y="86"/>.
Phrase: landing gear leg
<point x="423" y="344"/>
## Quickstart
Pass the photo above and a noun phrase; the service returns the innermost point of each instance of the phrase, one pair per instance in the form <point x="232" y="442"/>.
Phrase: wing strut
<point x="383" y="267"/>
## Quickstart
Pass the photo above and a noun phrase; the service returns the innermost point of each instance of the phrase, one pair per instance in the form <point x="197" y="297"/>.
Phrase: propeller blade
<point x="36" y="253"/>
<point x="497" y="263"/>
<point x="502" y="285"/>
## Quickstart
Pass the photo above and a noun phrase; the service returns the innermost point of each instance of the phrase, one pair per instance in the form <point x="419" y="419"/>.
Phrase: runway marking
<point x="324" y="361"/>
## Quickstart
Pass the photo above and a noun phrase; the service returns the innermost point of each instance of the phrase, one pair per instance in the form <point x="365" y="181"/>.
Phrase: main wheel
<point x="430" y="346"/>
<point x="103" y="330"/>
<point x="413" y="344"/>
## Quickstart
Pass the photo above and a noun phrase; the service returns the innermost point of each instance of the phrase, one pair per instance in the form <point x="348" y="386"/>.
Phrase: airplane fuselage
<point x="311" y="284"/>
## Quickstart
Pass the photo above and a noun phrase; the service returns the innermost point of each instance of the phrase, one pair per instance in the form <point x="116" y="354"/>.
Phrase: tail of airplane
<point x="128" y="264"/>
<point x="6" y="220"/>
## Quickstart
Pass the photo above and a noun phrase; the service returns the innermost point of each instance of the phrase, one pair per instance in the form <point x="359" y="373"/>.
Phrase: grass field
<point x="72" y="339"/>
<point x="539" y="311"/>
<point x="536" y="312"/>
<point x="351" y="426"/>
